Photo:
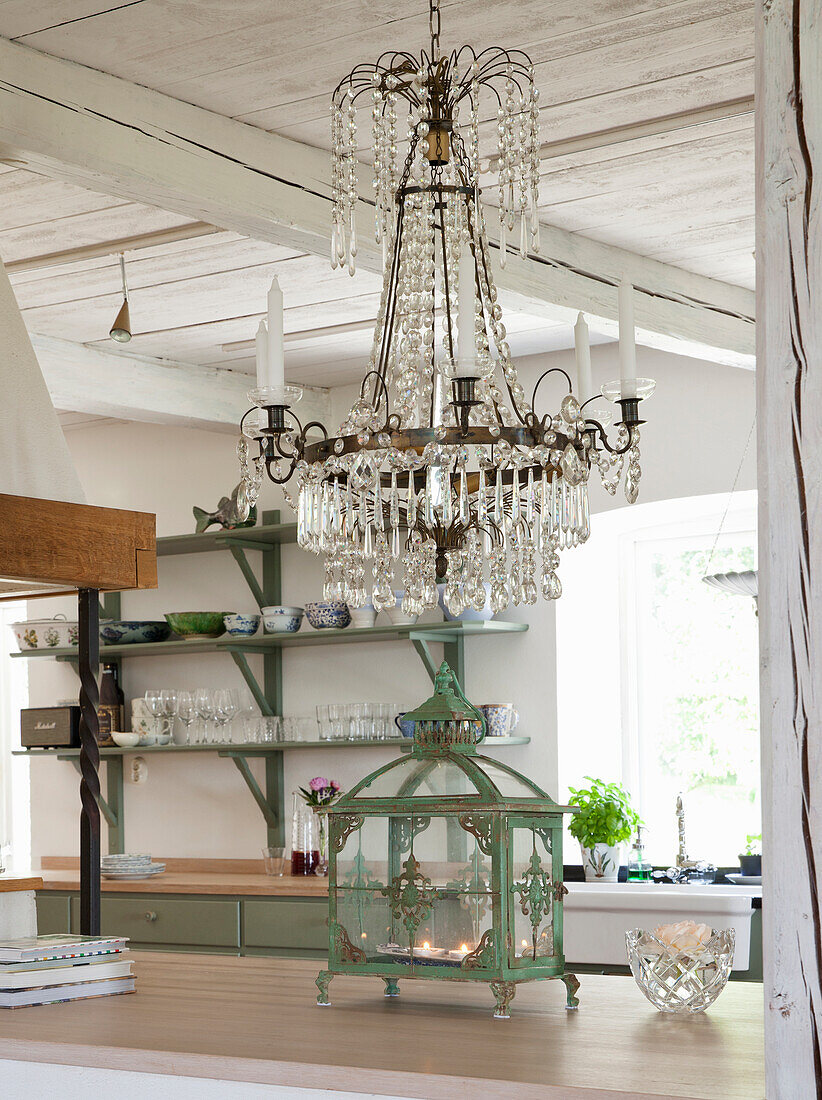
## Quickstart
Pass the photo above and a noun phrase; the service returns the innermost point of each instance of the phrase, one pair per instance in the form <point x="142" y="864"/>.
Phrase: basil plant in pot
<point x="605" y="818"/>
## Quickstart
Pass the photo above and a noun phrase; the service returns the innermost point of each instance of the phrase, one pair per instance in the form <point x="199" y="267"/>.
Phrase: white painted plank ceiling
<point x="683" y="195"/>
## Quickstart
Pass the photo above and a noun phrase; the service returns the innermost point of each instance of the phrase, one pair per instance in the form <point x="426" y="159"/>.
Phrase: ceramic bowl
<point x="197" y="624"/>
<point x="325" y="614"/>
<point x="242" y="626"/>
<point x="125" y="738"/>
<point x="363" y="617"/>
<point x="396" y="615"/>
<point x="56" y="633"/>
<point x="469" y="615"/>
<point x="133" y="631"/>
<point x="279" y="619"/>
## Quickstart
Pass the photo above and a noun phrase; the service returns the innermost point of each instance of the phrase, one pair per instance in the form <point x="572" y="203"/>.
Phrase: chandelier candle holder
<point x="442" y="468"/>
<point x="446" y="864"/>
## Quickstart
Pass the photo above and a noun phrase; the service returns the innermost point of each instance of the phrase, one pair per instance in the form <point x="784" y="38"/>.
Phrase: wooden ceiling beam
<point x="100" y="132"/>
<point x="159" y="391"/>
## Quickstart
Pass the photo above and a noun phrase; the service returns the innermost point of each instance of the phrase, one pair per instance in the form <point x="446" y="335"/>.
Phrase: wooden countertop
<point x="198" y="882"/>
<point x="13" y="884"/>
<point x="256" y="1020"/>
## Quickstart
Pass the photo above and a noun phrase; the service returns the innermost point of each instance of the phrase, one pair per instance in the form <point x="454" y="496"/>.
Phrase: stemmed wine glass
<point x="204" y="702"/>
<point x="225" y="707"/>
<point x="186" y="712"/>
<point x="168" y="709"/>
<point x="154" y="703"/>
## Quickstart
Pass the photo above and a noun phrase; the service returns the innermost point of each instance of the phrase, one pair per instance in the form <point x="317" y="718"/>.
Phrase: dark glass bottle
<point x="111" y="708"/>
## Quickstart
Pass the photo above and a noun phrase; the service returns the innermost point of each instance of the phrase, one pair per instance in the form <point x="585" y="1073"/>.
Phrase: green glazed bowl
<point x="197" y="624"/>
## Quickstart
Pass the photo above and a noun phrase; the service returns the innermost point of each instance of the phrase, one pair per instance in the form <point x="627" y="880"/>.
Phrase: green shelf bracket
<point x="238" y="553"/>
<point x="271" y="802"/>
<point x="112" y="807"/>
<point x="241" y="661"/>
<point x="453" y="652"/>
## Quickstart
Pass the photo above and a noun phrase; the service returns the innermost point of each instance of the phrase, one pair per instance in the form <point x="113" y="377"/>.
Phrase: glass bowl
<point x="681" y="981"/>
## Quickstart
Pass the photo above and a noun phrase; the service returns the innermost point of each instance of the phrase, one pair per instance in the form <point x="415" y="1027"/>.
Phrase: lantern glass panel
<point x="531" y="902"/>
<point x="415" y="777"/>
<point x="509" y="783"/>
<point x="363" y="860"/>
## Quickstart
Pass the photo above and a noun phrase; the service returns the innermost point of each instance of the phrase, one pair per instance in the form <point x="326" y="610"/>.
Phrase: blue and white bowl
<point x="241" y="626"/>
<point x="328" y="614"/>
<point x="133" y="631"/>
<point x="282" y="620"/>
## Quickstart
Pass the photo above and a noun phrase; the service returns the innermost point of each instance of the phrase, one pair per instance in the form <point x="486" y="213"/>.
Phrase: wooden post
<point x="89" y="659"/>
<point x="789" y="397"/>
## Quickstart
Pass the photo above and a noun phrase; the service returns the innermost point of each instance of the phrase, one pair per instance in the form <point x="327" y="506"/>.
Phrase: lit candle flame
<point x="426" y="946"/>
<point x="464" y="948"/>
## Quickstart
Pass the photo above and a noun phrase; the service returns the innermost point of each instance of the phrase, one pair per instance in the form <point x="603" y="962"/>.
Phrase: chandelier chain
<point x="434" y="26"/>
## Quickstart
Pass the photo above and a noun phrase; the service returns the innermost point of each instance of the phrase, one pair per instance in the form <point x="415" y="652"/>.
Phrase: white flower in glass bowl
<point x="681" y="967"/>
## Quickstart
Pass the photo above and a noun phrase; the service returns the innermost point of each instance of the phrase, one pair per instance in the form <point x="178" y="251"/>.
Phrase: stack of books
<point x="44" y="970"/>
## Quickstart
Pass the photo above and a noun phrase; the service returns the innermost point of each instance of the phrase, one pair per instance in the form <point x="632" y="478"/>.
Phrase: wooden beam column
<point x="789" y="396"/>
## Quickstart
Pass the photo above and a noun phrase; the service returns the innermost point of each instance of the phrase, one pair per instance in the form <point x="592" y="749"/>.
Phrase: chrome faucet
<point x="687" y="870"/>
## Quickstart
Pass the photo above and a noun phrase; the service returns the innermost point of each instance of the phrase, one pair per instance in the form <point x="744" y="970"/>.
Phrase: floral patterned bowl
<point x="328" y="614"/>
<point x="242" y="626"/>
<point x="56" y="633"/>
<point x="134" y="631"/>
<point x="278" y="619"/>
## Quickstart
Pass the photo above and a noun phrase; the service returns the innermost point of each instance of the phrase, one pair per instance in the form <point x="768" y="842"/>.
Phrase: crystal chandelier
<point x="442" y="469"/>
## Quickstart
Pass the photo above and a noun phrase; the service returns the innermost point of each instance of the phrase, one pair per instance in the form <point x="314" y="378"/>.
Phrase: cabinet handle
<point x="151" y="916"/>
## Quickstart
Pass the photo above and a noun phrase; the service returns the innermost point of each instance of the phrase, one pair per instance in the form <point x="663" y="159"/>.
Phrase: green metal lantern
<point x="447" y="864"/>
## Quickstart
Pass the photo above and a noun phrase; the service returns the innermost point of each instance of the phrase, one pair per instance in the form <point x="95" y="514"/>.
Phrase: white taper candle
<point x="262" y="354"/>
<point x="275" y="364"/>
<point x="627" y="340"/>
<point x="582" y="348"/>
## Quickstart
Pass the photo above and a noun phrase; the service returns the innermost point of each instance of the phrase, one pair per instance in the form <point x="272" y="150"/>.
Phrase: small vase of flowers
<point x="319" y="794"/>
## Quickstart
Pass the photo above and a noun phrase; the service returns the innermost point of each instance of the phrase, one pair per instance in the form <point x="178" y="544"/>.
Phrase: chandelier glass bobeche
<point x="442" y="468"/>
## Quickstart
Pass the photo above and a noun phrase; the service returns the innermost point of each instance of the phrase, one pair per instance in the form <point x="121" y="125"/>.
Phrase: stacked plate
<point x="125" y="867"/>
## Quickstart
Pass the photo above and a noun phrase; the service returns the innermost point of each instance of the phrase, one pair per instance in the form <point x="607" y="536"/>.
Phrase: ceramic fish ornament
<point x="227" y="515"/>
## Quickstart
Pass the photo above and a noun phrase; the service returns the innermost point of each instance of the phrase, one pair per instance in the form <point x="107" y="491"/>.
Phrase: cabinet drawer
<point x="52" y="915"/>
<point x="287" y="923"/>
<point x="156" y="919"/>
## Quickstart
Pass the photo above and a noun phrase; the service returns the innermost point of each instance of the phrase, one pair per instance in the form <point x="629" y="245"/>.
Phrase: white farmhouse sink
<point x="597" y="916"/>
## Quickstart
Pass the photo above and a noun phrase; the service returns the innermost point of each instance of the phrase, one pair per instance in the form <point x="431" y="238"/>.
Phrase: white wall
<point x="699" y="421"/>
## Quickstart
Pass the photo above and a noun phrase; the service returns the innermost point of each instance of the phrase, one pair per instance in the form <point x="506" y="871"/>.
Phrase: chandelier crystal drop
<point x="442" y="470"/>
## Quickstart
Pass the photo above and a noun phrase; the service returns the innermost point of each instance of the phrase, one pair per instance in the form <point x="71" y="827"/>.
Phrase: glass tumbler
<point x="274" y="861"/>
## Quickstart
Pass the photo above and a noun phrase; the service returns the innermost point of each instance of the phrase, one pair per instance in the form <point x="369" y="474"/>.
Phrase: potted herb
<point x="751" y="862"/>
<point x="604" y="819"/>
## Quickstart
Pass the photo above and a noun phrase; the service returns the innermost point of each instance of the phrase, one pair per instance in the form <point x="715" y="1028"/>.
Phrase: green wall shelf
<point x="265" y="585"/>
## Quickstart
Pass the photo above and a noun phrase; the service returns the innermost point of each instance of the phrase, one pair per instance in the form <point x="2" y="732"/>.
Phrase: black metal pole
<point x="89" y="661"/>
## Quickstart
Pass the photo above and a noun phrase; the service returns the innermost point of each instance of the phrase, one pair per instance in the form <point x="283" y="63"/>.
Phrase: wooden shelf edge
<point x="403" y="744"/>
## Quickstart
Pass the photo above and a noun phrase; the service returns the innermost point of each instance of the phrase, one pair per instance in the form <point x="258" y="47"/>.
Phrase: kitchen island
<point x="256" y="1020"/>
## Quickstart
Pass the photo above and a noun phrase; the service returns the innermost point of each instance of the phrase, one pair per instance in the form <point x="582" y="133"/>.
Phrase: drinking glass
<point x="154" y="703"/>
<point x="337" y="722"/>
<point x="204" y="702"/>
<point x="323" y="722"/>
<point x="274" y="861"/>
<point x="168" y="709"/>
<point x="225" y="707"/>
<point x="247" y="709"/>
<point x="271" y="729"/>
<point x="383" y="721"/>
<point x="186" y="712"/>
<point x="362" y="721"/>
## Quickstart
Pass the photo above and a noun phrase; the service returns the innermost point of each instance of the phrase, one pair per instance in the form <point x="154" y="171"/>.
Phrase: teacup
<point x="404" y="725"/>
<point x="500" y="718"/>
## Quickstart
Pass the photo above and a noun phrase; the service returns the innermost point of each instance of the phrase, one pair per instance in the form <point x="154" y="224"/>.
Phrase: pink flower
<point x="318" y="783"/>
<point x="334" y="785"/>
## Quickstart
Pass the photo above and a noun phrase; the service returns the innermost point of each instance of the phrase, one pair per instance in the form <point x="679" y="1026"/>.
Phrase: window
<point x="676" y="669"/>
<point x="15" y="817"/>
